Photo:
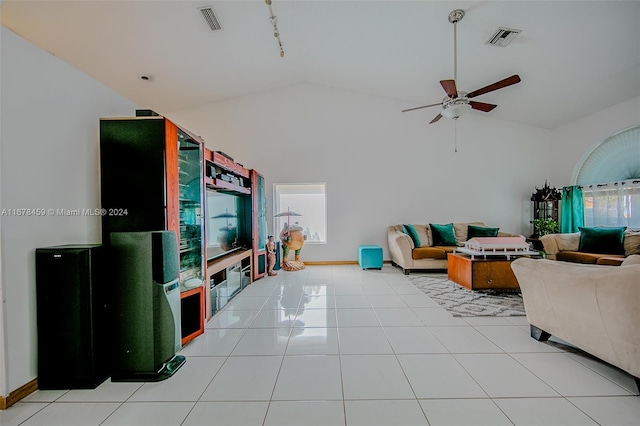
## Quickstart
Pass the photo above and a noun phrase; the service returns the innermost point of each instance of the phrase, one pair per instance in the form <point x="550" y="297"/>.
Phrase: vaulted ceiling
<point x="574" y="58"/>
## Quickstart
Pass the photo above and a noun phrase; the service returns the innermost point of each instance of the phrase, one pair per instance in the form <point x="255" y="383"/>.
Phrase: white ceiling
<point x="574" y="57"/>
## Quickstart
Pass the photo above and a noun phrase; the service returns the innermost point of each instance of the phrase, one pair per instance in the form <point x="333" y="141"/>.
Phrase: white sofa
<point x="407" y="256"/>
<point x="594" y="307"/>
<point x="566" y="247"/>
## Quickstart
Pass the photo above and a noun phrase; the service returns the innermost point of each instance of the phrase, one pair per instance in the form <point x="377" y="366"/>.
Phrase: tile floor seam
<point x="344" y="407"/>
<point x="581" y="410"/>
<point x="395" y="355"/>
<point x="275" y="383"/>
<point x="447" y="348"/>
<point x="116" y="409"/>
<point x="631" y="391"/>
<point x="404" y="372"/>
<point x="34" y="414"/>
<point x="556" y="390"/>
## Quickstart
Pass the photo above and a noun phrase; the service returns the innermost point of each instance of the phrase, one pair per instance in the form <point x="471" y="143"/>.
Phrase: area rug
<point x="461" y="302"/>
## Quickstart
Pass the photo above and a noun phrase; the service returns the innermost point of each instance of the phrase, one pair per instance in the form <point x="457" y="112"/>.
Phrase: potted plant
<point x="545" y="226"/>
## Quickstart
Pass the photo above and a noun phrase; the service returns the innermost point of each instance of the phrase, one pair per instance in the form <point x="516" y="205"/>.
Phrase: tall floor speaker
<point x="72" y="317"/>
<point x="146" y="299"/>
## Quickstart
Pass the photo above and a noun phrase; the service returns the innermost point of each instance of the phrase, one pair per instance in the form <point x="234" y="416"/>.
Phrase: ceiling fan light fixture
<point x="455" y="110"/>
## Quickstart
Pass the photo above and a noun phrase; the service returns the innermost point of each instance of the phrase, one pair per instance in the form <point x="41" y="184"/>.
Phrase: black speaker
<point x="165" y="262"/>
<point x="72" y="317"/>
<point x="146" y="301"/>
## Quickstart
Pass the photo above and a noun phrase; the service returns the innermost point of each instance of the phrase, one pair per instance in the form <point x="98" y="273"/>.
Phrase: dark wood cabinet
<point x="152" y="179"/>
<point x="258" y="224"/>
<point x="235" y="204"/>
<point x="160" y="176"/>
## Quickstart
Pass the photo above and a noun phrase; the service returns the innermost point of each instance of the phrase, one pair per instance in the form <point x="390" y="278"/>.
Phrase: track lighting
<point x="274" y="22"/>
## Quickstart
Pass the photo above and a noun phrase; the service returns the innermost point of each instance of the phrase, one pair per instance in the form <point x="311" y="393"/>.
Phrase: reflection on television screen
<point x="224" y="223"/>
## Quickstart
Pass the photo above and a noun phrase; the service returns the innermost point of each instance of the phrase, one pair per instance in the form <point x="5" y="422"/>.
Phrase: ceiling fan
<point x="458" y="102"/>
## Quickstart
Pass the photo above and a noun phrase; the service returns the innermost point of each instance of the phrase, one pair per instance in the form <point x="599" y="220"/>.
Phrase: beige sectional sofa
<point x="565" y="247"/>
<point x="407" y="256"/>
<point x="593" y="307"/>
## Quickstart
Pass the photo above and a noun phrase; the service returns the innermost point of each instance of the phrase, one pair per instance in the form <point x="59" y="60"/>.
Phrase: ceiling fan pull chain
<point x="455" y="135"/>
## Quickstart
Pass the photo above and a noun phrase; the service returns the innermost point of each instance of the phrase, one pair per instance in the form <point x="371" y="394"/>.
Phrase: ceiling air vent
<point x="503" y="36"/>
<point x="211" y="18"/>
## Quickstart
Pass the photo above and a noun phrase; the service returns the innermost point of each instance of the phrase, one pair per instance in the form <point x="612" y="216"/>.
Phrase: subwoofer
<point x="146" y="305"/>
<point x="72" y="316"/>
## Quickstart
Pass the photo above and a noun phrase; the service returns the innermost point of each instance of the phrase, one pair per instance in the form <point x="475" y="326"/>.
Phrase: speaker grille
<point x="166" y="265"/>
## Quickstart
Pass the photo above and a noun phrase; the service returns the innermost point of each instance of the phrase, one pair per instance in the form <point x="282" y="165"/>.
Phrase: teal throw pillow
<point x="602" y="240"/>
<point x="443" y="235"/>
<point x="481" y="231"/>
<point x="411" y="231"/>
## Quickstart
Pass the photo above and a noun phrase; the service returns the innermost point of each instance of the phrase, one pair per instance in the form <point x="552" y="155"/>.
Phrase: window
<point x="612" y="204"/>
<point x="303" y="204"/>
<point x="615" y="160"/>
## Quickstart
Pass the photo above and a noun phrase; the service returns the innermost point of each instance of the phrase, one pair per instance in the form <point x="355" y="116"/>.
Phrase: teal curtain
<point x="572" y="209"/>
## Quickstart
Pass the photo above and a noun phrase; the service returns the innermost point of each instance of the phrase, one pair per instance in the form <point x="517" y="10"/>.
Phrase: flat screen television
<point x="228" y="224"/>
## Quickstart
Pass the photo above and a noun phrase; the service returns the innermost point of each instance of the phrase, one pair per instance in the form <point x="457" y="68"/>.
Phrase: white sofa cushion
<point x="569" y="242"/>
<point x="631" y="241"/>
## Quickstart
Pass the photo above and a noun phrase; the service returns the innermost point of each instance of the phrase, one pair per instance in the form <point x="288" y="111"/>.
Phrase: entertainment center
<point x="162" y="177"/>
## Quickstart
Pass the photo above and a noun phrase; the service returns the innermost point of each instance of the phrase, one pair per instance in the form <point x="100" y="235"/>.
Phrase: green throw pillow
<point x="443" y="235"/>
<point x="602" y="240"/>
<point x="411" y="231"/>
<point x="481" y="231"/>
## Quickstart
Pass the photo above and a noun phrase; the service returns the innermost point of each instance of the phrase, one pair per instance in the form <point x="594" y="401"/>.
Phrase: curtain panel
<point x="612" y="204"/>
<point x="572" y="213"/>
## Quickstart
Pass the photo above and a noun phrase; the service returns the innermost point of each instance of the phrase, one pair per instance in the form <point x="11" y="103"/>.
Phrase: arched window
<point x="615" y="159"/>
<point x="610" y="179"/>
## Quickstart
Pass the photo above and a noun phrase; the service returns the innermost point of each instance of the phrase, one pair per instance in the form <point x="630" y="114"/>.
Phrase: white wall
<point x="381" y="166"/>
<point x="575" y="139"/>
<point x="50" y="158"/>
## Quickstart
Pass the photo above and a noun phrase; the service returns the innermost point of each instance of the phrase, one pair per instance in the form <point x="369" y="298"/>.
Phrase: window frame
<point x="290" y="190"/>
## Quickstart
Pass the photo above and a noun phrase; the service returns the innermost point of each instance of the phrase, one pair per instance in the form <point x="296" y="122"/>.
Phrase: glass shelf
<point x="190" y="186"/>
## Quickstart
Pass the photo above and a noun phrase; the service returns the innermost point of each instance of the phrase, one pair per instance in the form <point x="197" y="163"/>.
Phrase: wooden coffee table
<point x="481" y="273"/>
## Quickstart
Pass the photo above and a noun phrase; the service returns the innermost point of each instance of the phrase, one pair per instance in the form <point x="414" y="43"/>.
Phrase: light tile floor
<point x="335" y="345"/>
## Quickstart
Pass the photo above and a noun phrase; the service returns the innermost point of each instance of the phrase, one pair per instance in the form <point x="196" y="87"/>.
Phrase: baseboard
<point x="15" y="396"/>
<point x="335" y="262"/>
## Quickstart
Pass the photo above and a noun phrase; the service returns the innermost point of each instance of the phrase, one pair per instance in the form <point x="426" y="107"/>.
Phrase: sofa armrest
<point x="400" y="247"/>
<point x="633" y="259"/>
<point x="550" y="245"/>
<point x="590" y="306"/>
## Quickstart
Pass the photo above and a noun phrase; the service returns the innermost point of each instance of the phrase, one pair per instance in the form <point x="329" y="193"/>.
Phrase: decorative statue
<point x="292" y="239"/>
<point x="271" y="256"/>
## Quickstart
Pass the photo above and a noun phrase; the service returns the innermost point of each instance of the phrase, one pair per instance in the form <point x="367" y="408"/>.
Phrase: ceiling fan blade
<point x="449" y="87"/>
<point x="495" y="86"/>
<point x="436" y="118"/>
<point x="420" y="107"/>
<point x="481" y="106"/>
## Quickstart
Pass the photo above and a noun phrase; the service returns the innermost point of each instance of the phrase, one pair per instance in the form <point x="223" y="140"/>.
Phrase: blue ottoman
<point x="370" y="257"/>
